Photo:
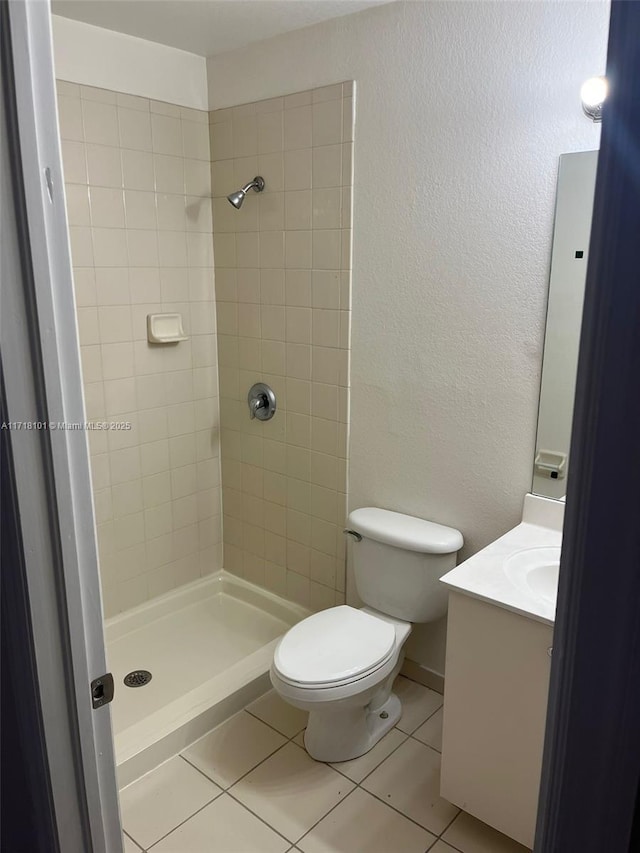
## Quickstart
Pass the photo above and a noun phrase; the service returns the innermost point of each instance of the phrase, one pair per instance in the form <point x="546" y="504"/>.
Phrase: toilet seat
<point x="334" y="647"/>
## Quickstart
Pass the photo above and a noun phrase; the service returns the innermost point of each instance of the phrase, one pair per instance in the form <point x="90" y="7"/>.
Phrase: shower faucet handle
<point x="262" y="402"/>
<point x="255" y="404"/>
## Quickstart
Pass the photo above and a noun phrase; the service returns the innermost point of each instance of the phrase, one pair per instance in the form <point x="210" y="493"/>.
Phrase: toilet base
<point x="350" y="732"/>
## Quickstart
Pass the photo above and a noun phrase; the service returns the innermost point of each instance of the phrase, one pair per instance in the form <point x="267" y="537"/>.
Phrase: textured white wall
<point x="93" y="56"/>
<point x="462" y="112"/>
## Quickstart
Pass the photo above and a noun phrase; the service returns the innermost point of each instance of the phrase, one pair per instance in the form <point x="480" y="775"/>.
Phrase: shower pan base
<point x="209" y="646"/>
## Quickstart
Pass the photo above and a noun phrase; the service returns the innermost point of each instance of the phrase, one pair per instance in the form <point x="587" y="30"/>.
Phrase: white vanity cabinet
<point x="495" y="703"/>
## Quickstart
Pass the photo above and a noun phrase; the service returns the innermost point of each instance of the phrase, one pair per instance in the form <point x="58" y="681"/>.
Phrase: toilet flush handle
<point x="353" y="533"/>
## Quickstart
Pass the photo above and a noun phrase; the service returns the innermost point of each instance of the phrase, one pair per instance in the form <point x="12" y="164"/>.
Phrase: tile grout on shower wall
<point x="137" y="181"/>
<point x="283" y="282"/>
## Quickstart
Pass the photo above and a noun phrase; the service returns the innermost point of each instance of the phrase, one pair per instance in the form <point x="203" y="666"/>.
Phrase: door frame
<point x="43" y="383"/>
<point x="591" y="768"/>
<point x="589" y="784"/>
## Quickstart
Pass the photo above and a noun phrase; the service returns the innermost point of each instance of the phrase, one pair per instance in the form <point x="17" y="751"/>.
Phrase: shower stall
<point x="218" y="528"/>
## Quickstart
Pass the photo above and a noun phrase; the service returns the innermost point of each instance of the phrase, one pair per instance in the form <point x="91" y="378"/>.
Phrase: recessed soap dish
<point x="165" y="329"/>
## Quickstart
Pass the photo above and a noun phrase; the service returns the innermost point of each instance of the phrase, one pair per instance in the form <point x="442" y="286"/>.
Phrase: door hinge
<point x="102" y="690"/>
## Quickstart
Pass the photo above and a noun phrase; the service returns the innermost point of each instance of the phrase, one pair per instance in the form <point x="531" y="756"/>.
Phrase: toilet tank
<point x="399" y="560"/>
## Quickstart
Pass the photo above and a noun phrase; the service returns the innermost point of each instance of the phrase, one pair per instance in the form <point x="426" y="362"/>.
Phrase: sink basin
<point x="534" y="571"/>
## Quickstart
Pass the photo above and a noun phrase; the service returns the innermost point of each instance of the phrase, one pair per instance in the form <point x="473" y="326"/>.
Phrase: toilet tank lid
<point x="405" y="531"/>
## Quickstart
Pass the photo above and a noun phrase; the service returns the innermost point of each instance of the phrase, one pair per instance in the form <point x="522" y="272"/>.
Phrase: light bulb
<point x="593" y="94"/>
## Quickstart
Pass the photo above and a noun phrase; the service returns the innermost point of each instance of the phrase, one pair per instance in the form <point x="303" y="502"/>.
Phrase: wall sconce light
<point x="593" y="94"/>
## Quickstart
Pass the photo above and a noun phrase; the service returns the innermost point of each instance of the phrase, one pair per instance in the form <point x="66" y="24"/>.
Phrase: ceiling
<point x="206" y="27"/>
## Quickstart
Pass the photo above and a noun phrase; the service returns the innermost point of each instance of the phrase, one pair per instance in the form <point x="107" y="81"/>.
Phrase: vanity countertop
<point x="483" y="576"/>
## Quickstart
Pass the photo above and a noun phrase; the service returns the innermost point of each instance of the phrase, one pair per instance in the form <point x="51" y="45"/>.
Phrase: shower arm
<point x="256" y="184"/>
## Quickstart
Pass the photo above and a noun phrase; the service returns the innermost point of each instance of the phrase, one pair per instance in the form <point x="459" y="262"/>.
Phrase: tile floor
<point x="249" y="787"/>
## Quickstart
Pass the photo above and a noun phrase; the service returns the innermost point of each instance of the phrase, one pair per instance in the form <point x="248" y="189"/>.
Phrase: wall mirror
<point x="574" y="205"/>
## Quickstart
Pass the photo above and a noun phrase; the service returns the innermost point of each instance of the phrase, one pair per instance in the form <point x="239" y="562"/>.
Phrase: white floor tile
<point x="409" y="780"/>
<point x="358" y="768"/>
<point x="472" y="836"/>
<point x="363" y="823"/>
<point x="431" y="731"/>
<point x="223" y="826"/>
<point x="159" y="801"/>
<point x="234" y="748"/>
<point x="129" y="846"/>
<point x="277" y="713"/>
<point x="291" y="791"/>
<point x="418" y="703"/>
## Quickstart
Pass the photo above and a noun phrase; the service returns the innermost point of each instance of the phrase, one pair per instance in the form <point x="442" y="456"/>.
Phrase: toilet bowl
<point x="340" y="664"/>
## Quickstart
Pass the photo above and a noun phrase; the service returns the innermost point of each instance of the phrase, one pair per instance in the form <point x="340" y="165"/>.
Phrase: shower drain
<point x="138" y="678"/>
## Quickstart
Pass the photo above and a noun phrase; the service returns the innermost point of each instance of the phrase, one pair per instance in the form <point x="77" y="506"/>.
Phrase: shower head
<point x="237" y="198"/>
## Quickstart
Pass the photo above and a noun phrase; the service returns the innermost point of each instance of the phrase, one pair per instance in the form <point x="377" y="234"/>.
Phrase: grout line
<point x="244" y="805"/>
<point x="386" y="803"/>
<point x="182" y="822"/>
<point x="373" y="770"/>
<point x="439" y="751"/>
<point x="131" y="838"/>
<point x="439" y="708"/>
<point x="261" y="819"/>
<point x="449" y="825"/>
<point x="439" y="838"/>
<point x="406" y="816"/>
<point x="356" y="785"/>
<point x="333" y="808"/>
<point x="244" y="775"/>
<point x="406" y="736"/>
<point x="426" y="720"/>
<point x="270" y="726"/>
<point x="201" y="772"/>
<point x="359" y="784"/>
<point x="226" y="790"/>
<point x="288" y="840"/>
<point x="457" y="849"/>
<point x="224" y="722"/>
<point x="426" y="744"/>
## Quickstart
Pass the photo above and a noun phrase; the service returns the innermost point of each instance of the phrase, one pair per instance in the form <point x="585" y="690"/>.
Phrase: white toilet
<point x="340" y="664"/>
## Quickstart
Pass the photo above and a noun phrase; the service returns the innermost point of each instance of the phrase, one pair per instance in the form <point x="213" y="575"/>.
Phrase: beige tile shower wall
<point x="283" y="306"/>
<point x="137" y="176"/>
